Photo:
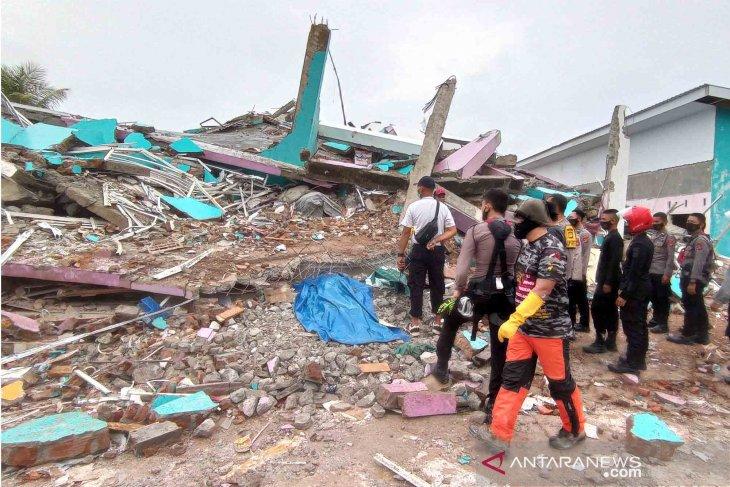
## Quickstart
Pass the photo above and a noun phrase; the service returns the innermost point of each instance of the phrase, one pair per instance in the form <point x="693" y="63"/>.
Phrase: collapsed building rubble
<point x="147" y="274"/>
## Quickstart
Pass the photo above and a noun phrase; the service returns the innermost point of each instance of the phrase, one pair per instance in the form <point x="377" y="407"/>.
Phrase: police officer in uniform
<point x="660" y="273"/>
<point x="696" y="261"/>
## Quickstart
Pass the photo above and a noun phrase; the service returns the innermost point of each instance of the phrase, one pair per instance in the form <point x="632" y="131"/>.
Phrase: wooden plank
<point x="400" y="471"/>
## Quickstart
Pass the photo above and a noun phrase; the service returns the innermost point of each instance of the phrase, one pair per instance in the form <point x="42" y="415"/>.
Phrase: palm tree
<point x="27" y="84"/>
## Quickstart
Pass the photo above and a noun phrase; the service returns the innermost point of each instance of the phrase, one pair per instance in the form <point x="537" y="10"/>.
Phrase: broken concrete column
<point x="615" y="184"/>
<point x="432" y="137"/>
<point x="53" y="438"/>
<point x="649" y="436"/>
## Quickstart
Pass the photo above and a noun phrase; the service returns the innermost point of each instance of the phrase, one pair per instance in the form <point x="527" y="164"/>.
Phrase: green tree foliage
<point x="26" y="83"/>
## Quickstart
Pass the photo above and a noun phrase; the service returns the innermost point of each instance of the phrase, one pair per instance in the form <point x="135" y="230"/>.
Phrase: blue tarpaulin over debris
<point x="339" y="308"/>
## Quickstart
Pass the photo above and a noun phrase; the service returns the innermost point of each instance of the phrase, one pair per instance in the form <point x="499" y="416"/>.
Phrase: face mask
<point x="524" y="227"/>
<point x="658" y="227"/>
<point x="692" y="227"/>
<point x="606" y="225"/>
<point x="573" y="221"/>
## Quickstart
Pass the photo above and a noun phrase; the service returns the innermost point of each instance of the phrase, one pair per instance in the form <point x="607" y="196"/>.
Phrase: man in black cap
<point x="427" y="223"/>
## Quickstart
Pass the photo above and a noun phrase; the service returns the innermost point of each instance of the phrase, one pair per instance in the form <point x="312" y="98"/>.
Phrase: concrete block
<point x="426" y="403"/>
<point x="669" y="399"/>
<point x="388" y="394"/>
<point x="369" y="368"/>
<point x="649" y="436"/>
<point x="153" y="436"/>
<point x="53" y="438"/>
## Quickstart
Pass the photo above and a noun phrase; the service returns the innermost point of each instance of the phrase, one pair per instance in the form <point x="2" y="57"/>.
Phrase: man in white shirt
<point x="425" y="258"/>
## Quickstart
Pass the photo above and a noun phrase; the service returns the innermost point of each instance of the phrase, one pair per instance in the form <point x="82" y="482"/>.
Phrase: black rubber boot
<point x="598" y="346"/>
<point x="623" y="367"/>
<point x="565" y="439"/>
<point x="441" y="374"/>
<point x="682" y="340"/>
<point x="611" y="341"/>
<point x="659" y="328"/>
<point x="582" y="328"/>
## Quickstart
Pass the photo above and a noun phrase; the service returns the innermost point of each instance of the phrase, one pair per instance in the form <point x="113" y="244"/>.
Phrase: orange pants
<point x="523" y="352"/>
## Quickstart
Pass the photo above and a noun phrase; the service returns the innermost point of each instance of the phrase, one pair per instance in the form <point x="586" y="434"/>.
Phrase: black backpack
<point x="430" y="230"/>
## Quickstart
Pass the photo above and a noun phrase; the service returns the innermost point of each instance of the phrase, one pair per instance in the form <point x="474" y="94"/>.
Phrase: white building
<point x="679" y="158"/>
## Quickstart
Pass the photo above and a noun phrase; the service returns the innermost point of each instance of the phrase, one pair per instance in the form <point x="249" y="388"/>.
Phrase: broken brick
<point x="426" y="403"/>
<point x="153" y="436"/>
<point x="58" y="371"/>
<point x="229" y="313"/>
<point x="313" y="372"/>
<point x="669" y="399"/>
<point x="368" y="368"/>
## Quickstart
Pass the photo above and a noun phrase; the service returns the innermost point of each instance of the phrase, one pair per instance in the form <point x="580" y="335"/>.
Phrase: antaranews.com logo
<point x="611" y="466"/>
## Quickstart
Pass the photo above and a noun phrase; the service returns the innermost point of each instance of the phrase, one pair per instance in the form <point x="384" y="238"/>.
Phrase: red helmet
<point x="638" y="218"/>
<point x="439" y="191"/>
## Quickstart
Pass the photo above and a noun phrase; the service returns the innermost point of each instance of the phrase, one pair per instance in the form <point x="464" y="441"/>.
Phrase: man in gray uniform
<point x="696" y="261"/>
<point x="660" y="272"/>
<point x="577" y="289"/>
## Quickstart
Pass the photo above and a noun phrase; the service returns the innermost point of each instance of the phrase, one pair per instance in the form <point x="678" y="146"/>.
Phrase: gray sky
<point x="541" y="72"/>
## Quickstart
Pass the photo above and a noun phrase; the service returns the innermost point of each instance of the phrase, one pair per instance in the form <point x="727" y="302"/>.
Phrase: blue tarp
<point x="339" y="308"/>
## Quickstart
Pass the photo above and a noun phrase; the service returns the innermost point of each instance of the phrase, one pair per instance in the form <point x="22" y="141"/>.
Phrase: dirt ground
<point x="340" y="451"/>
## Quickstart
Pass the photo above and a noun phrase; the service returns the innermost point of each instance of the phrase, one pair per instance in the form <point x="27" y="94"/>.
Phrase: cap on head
<point x="427" y="182"/>
<point x="536" y="211"/>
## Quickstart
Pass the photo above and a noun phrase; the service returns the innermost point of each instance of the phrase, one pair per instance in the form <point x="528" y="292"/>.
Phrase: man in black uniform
<point x="696" y="261"/>
<point x="633" y="298"/>
<point x="608" y="275"/>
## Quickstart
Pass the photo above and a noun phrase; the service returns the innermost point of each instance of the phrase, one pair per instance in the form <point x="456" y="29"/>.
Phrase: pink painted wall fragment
<point x="467" y="160"/>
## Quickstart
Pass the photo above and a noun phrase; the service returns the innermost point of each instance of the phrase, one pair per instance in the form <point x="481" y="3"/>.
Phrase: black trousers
<point x="659" y="298"/>
<point x="578" y="301"/>
<point x="604" y="310"/>
<point x="696" y="322"/>
<point x="422" y="263"/>
<point x="633" y="321"/>
<point x="452" y="322"/>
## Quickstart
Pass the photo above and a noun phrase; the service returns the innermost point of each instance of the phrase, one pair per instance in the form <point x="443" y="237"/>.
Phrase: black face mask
<point x="524" y="227"/>
<point x="573" y="221"/>
<point x="658" y="227"/>
<point x="691" y="227"/>
<point x="606" y="225"/>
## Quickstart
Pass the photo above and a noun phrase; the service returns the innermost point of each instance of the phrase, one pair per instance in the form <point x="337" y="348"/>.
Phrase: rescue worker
<point x="608" y="275"/>
<point x="696" y="262"/>
<point x="568" y="236"/>
<point x="494" y="249"/>
<point x="440" y="194"/>
<point x="427" y="257"/>
<point x="660" y="274"/>
<point x="577" y="287"/>
<point x="634" y="291"/>
<point x="537" y="330"/>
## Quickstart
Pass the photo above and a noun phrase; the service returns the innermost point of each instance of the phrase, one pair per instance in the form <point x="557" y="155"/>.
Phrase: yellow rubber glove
<point x="528" y="307"/>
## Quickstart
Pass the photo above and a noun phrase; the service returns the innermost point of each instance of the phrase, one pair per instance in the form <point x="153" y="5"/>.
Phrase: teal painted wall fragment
<point x="183" y="167"/>
<point x="649" y="427"/>
<point x="194" y="403"/>
<point x="721" y="182"/>
<point x="41" y="136"/>
<point x="9" y="130"/>
<point x="52" y="428"/>
<point x="186" y="146"/>
<point x="306" y="122"/>
<point x="405" y="170"/>
<point x="54" y="158"/>
<point x="208" y="177"/>
<point x="138" y="141"/>
<point x="96" y="132"/>
<point x="76" y="169"/>
<point x="193" y="208"/>
<point x="338" y="147"/>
